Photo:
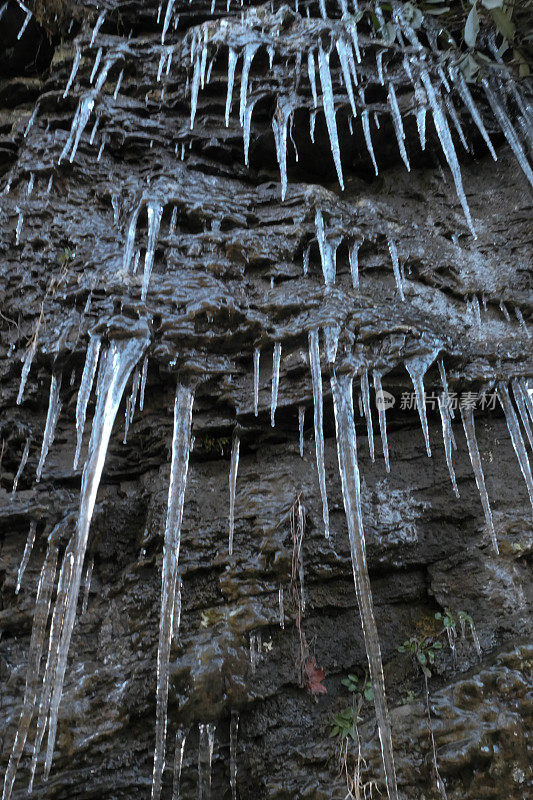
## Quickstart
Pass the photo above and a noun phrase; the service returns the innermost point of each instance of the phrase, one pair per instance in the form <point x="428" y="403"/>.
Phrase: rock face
<point x="232" y="269"/>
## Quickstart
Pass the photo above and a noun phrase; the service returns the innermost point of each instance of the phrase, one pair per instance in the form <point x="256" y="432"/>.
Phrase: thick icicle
<point x="417" y="368"/>
<point x="96" y="64"/>
<point x="365" y="394"/>
<point x="508" y="130"/>
<point x="144" y="375"/>
<point x="195" y="87"/>
<point x="279" y="127"/>
<point x="398" y="125"/>
<point x="396" y="268"/>
<point x="23" y="460"/>
<point x="344" y="58"/>
<point x="89" y="371"/>
<point x="40" y="617"/>
<point x="446" y="141"/>
<point x="246" y="130"/>
<point x="515" y="433"/>
<point x="205" y="756"/>
<point x="26" y="555"/>
<point x="301" y="420"/>
<point x="155" y="212"/>
<point x="166" y="21"/>
<point x="326" y="251"/>
<point x="122" y="356"/>
<point x="382" y="418"/>
<point x="28" y="358"/>
<point x="316" y="377"/>
<point x="467" y="415"/>
<point x="311" y="71"/>
<point x="181" y="445"/>
<point x="329" y="110"/>
<point x="447" y="437"/>
<point x="354" y="263"/>
<point x="54" y="408"/>
<point x="341" y="386"/>
<point x="232" y="485"/>
<point x="444" y="381"/>
<point x="233" y="733"/>
<point x="179" y="748"/>
<point x="276" y="360"/>
<point x="421" y="125"/>
<point x="232" y="63"/>
<point x="99" y="23"/>
<point x="522" y="409"/>
<point x="249" y="53"/>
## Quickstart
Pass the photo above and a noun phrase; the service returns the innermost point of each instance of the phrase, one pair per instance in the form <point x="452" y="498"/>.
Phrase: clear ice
<point x="316" y="377"/>
<point x="234" y="466"/>
<point x="467" y="416"/>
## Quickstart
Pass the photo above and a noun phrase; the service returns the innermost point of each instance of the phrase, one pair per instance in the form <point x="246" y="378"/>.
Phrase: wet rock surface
<point x="228" y="277"/>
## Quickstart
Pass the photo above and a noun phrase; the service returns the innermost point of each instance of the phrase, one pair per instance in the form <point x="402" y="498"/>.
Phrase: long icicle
<point x="54" y="409"/>
<point x="23" y="460"/>
<point x="467" y="415"/>
<point x="365" y="394"/>
<point x="516" y="436"/>
<point x="329" y="111"/>
<point x="28" y="547"/>
<point x="417" y="368"/>
<point x="378" y="388"/>
<point x="121" y="358"/>
<point x="341" y="386"/>
<point x="276" y="360"/>
<point x="522" y="409"/>
<point x="181" y="738"/>
<point x="234" y="467"/>
<point x="316" y="377"/>
<point x="87" y="379"/>
<point x="257" y="355"/>
<point x="155" y="212"/>
<point x="181" y="445"/>
<point x="40" y="617"/>
<point x="447" y="437"/>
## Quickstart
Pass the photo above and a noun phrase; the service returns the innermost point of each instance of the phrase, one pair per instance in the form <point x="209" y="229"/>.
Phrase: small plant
<point x="344" y="724"/>
<point x="423" y="652"/>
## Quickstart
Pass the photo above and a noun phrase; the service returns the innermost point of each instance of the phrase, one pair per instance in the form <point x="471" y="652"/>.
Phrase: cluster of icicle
<point x="345" y="42"/>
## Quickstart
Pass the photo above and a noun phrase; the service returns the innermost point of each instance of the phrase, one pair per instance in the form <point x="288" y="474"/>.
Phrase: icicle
<point x="232" y="484"/>
<point x="447" y="437"/>
<point x="396" y="268"/>
<point x="444" y="381"/>
<point x="301" y="420"/>
<point x="275" y="381"/>
<point x="456" y="121"/>
<point x="368" y="138"/>
<point x="176" y="494"/>
<point x="20" y="221"/>
<point x="249" y="53"/>
<point x="96" y="64"/>
<point x="503" y="309"/>
<point x="341" y="386"/>
<point x="311" y="71"/>
<point x="516" y="436"/>
<point x="421" y="125"/>
<point x="316" y="377"/>
<point x="365" y="394"/>
<point x="508" y="130"/>
<point x="246" y="130"/>
<point x="326" y="251"/>
<point x="417" y="368"/>
<point x="155" y="212"/>
<point x="354" y="263"/>
<point x="329" y="110"/>
<point x="93" y="132"/>
<point x="300" y="530"/>
<point x="166" y="21"/>
<point x="79" y="123"/>
<point x="467" y="415"/>
<point x="279" y="127"/>
<point x="522" y="321"/>
<point x="54" y="408"/>
<point x="232" y="62"/>
<point x="26" y="555"/>
<point x="355" y="41"/>
<point x="233" y="732"/>
<point x="31" y="181"/>
<point x="40" y="617"/>
<point x="446" y="141"/>
<point x="195" y="86"/>
<point x="398" y="125"/>
<point x="23" y="460"/>
<point x="25" y="23"/>
<point x="306" y="254"/>
<point x="74" y="70"/>
<point x="344" y="58"/>
<point x="179" y="748"/>
<point x="121" y="357"/>
<point x="30" y="123"/>
<point x="281" y="608"/>
<point x="205" y="755"/>
<point x="28" y="358"/>
<point x="382" y="418"/>
<point x="144" y="375"/>
<point x="119" y="83"/>
<point x="99" y="23"/>
<point x="87" y="586"/>
<point x="331" y="341"/>
<point x="468" y="100"/>
<point x="522" y="409"/>
<point x="379" y="64"/>
<point x="87" y="378"/>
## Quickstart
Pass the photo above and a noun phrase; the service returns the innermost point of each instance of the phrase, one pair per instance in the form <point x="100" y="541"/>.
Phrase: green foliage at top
<point x="344" y="724"/>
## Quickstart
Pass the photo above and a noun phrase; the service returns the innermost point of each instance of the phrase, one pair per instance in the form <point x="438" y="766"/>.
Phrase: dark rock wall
<point x="230" y="279"/>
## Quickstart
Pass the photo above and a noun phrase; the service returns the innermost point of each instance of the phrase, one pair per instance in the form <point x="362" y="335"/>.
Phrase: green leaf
<point x="437" y="645"/>
<point x="503" y="23"/>
<point x="422" y="658"/>
<point x="426" y="671"/>
<point x="492" y="4"/>
<point x="401" y="649"/>
<point x="369" y="694"/>
<point x="471" y="27"/>
<point x="438" y="615"/>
